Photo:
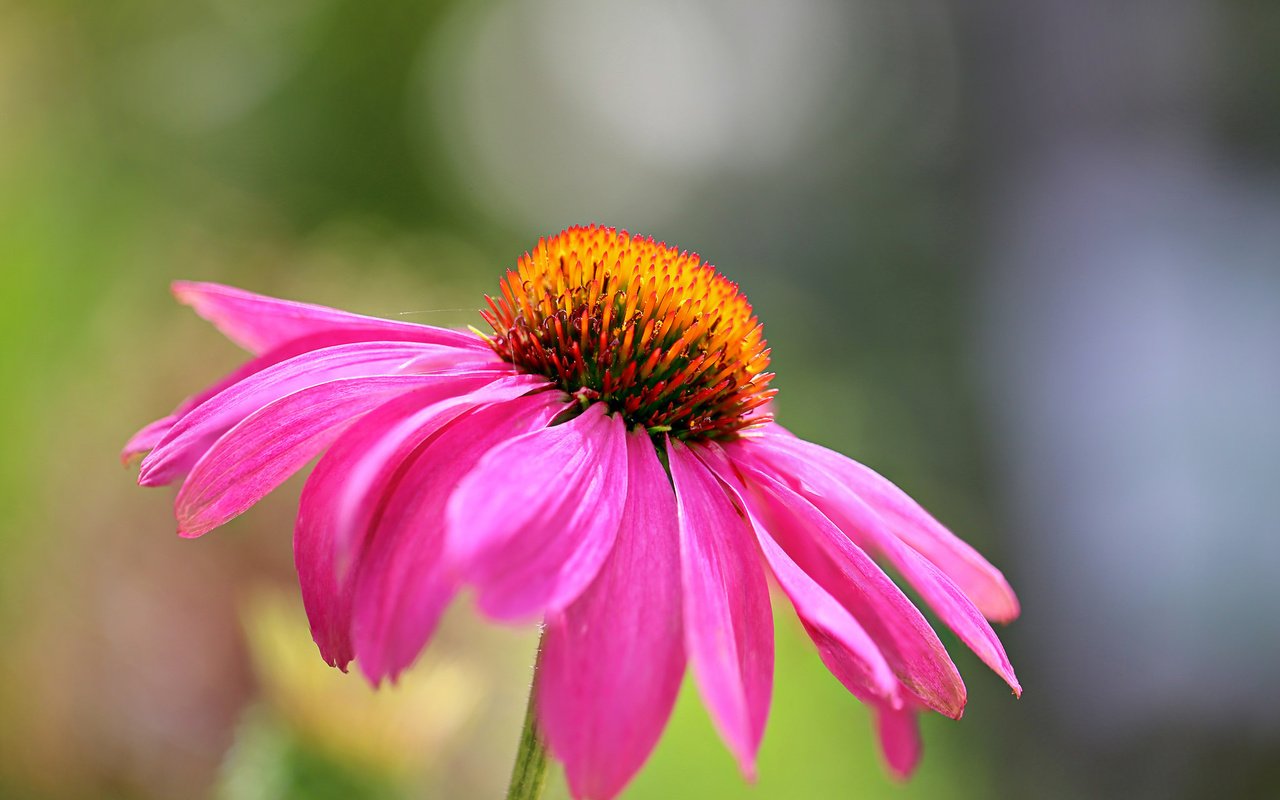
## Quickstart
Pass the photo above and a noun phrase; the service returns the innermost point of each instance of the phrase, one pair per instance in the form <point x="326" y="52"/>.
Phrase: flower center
<point x="659" y="336"/>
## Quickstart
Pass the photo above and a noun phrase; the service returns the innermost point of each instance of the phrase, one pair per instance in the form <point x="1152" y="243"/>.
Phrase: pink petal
<point x="899" y="733"/>
<point x="857" y="519"/>
<point x="611" y="665"/>
<point x="403" y="582"/>
<point x="272" y="443"/>
<point x="981" y="582"/>
<point x="259" y="323"/>
<point x="327" y="588"/>
<point x="909" y="645"/>
<point x="150" y="436"/>
<point x="727" y="622"/>
<point x="326" y="594"/>
<point x="192" y="435"/>
<point x="953" y="606"/>
<point x="361" y="496"/>
<point x="843" y="644"/>
<point x="530" y="526"/>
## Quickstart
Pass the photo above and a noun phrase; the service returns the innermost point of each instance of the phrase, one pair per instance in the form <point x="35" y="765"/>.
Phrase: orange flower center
<point x="659" y="336"/>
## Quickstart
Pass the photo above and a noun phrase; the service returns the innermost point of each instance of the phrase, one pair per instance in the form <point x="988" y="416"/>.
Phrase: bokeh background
<point x="1020" y="257"/>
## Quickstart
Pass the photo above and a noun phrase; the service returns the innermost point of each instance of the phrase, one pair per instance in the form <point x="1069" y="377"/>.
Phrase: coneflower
<point x="605" y="460"/>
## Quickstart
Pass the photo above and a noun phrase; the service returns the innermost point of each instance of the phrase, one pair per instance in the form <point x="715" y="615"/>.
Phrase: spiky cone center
<point x="659" y="336"/>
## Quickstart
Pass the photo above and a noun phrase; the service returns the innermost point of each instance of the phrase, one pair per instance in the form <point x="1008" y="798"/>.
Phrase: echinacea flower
<point x="606" y="461"/>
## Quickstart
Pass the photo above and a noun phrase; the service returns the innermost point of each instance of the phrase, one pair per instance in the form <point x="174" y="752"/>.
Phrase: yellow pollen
<point x="655" y="333"/>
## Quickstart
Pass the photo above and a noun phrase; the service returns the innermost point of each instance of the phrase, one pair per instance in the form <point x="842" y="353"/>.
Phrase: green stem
<point x="529" y="774"/>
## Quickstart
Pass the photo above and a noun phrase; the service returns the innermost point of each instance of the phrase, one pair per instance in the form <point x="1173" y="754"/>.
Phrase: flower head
<point x="657" y="336"/>
<point x="605" y="461"/>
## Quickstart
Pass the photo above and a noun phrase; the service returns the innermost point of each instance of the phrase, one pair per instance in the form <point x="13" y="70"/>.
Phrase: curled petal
<point x="196" y="431"/>
<point x="259" y="323"/>
<point x="272" y="443"/>
<point x="859" y="520"/>
<point x="898" y="730"/>
<point x="981" y="582"/>
<point x="843" y="644"/>
<point x="612" y="662"/>
<point x="403" y="582"/>
<point x="361" y="498"/>
<point x="530" y="526"/>
<point x="727" y="622"/>
<point x="326" y="570"/>
<point x="151" y="435"/>
<point x="909" y="645"/>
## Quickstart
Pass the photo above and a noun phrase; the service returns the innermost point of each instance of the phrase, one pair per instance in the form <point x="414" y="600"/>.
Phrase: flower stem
<point x="529" y="774"/>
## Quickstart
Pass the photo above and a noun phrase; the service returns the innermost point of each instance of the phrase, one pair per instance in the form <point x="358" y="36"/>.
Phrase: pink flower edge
<point x="442" y="467"/>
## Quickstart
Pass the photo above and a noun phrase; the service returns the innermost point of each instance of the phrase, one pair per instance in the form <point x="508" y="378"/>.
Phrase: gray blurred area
<point x="1131" y="346"/>
<point x="1022" y="258"/>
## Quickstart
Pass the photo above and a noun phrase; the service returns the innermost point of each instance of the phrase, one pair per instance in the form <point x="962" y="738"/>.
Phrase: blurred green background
<point x="1021" y="259"/>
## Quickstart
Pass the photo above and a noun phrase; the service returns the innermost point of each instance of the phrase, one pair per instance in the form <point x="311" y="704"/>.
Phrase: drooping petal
<point x="898" y="730"/>
<point x="981" y="582"/>
<point x="151" y="435"/>
<point x="530" y="526"/>
<point x="361" y="499"/>
<point x="259" y="323"/>
<point x="909" y="645"/>
<point x="955" y="609"/>
<point x="612" y="663"/>
<point x="859" y="520"/>
<point x="277" y="440"/>
<point x="195" y="432"/>
<point x="403" y="581"/>
<point x="727" y="622"/>
<point x="326" y="572"/>
<point x="843" y="644"/>
<point x="326" y="595"/>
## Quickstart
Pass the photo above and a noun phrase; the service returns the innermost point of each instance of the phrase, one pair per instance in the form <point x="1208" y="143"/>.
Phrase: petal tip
<point x="950" y="707"/>
<point x="372" y="673"/>
<point x="1006" y="609"/>
<point x="191" y="526"/>
<point x="183" y="291"/>
<point x="901" y="773"/>
<point x="147" y="474"/>
<point x="746" y="762"/>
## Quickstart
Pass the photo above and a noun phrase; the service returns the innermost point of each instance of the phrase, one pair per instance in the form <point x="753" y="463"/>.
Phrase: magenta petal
<point x="843" y="644"/>
<point x="981" y="582"/>
<point x="368" y="475"/>
<point x="258" y="454"/>
<point x="152" y="434"/>
<point x="258" y="323"/>
<point x="845" y="508"/>
<point x="326" y="595"/>
<point x="898" y="730"/>
<point x="195" y="432"/>
<point x="403" y="582"/>
<point x="326" y="571"/>
<point x="909" y="645"/>
<point x="955" y="609"/>
<point x="611" y="665"/>
<point x="728" y="627"/>
<point x="530" y="526"/>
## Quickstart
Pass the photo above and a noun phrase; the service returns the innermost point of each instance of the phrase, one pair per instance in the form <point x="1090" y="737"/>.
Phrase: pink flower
<point x="606" y="461"/>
